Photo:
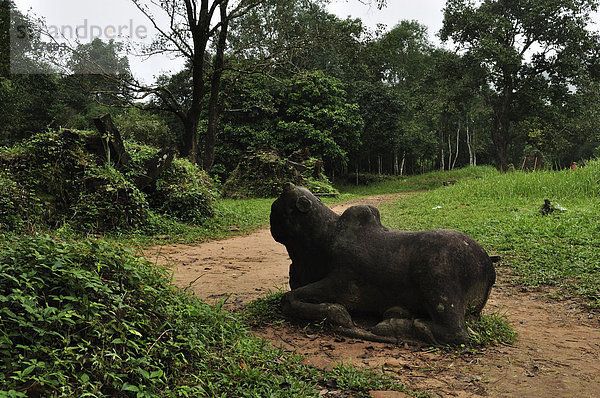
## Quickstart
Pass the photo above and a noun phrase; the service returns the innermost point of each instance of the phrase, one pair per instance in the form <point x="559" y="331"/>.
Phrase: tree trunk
<point x="396" y="165"/>
<point x="501" y="135"/>
<point x="200" y="35"/>
<point x="403" y="163"/>
<point x="449" y="151"/>
<point x="500" y="140"/>
<point x="443" y="157"/>
<point x="457" y="141"/>
<point x="189" y="148"/>
<point x="469" y="147"/>
<point x="214" y="108"/>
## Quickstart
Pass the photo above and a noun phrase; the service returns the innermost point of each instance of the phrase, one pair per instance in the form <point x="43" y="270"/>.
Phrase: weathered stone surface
<point x="421" y="284"/>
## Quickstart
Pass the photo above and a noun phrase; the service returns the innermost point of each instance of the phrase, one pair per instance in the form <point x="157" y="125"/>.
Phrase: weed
<point x="490" y="329"/>
<point x="264" y="311"/>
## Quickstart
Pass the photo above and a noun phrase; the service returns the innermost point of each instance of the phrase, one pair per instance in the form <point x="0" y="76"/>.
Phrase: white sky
<point x="426" y="12"/>
<point x="105" y="13"/>
<point x="91" y="16"/>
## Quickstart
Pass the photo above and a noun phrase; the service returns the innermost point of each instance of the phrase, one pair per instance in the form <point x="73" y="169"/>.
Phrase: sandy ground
<point x="557" y="353"/>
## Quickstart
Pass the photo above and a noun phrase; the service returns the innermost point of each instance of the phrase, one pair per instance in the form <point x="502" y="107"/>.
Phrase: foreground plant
<point x="87" y="318"/>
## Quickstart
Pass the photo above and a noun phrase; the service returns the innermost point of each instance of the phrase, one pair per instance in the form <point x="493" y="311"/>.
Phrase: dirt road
<point x="557" y="353"/>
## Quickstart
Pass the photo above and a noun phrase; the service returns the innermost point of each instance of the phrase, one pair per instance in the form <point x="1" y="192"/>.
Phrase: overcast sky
<point x="93" y="15"/>
<point x="427" y="12"/>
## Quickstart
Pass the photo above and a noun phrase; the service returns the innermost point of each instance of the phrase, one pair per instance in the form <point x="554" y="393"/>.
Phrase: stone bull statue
<point x="421" y="284"/>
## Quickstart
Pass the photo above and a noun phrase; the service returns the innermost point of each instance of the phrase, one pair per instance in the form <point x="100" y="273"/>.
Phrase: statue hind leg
<point x="318" y="301"/>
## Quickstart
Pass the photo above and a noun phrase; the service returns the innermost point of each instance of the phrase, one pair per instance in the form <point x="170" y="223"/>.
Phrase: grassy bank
<point x="421" y="182"/>
<point x="502" y="211"/>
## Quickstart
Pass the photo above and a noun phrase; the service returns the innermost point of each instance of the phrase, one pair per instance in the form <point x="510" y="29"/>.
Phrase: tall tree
<point x="399" y="60"/>
<point x="192" y="27"/>
<point x="520" y="41"/>
<point x="25" y="99"/>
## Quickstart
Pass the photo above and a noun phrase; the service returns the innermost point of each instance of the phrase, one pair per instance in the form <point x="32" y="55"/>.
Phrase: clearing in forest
<point x="556" y="352"/>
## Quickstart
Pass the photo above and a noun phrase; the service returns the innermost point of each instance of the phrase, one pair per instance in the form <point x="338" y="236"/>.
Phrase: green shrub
<point x="139" y="153"/>
<point x="85" y="317"/>
<point x="89" y="319"/>
<point x="50" y="164"/>
<point x="19" y="208"/>
<point x="184" y="192"/>
<point x="262" y="174"/>
<point x="79" y="193"/>
<point x="146" y="128"/>
<point x="109" y="202"/>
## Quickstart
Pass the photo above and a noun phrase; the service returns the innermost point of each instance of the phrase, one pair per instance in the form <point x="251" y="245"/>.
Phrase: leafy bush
<point x="146" y="128"/>
<point x="109" y="202"/>
<point x="185" y="192"/>
<point x="19" y="208"/>
<point x="262" y="174"/>
<point x="89" y="319"/>
<point x="139" y="153"/>
<point x="84" y="194"/>
<point x="51" y="164"/>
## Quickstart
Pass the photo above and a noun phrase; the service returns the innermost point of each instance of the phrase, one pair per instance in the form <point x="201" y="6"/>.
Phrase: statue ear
<point x="288" y="186"/>
<point x="303" y="204"/>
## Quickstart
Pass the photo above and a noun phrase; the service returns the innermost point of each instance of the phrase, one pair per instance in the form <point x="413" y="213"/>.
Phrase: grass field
<point x="502" y="211"/>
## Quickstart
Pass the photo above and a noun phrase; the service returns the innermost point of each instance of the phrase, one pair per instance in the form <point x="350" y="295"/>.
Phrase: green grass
<point x="422" y="182"/>
<point x="490" y="329"/>
<point x="501" y="211"/>
<point x="264" y="310"/>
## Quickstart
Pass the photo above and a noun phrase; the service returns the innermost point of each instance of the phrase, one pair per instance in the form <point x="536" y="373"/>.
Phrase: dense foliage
<point x="90" y="319"/>
<point x="288" y="75"/>
<point x="262" y="174"/>
<point x="54" y="180"/>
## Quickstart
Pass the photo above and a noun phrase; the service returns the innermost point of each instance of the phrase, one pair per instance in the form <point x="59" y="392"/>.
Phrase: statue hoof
<point x="393" y="327"/>
<point x="337" y="315"/>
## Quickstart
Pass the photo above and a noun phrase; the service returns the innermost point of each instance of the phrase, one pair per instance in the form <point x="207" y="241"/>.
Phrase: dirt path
<point x="557" y="353"/>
